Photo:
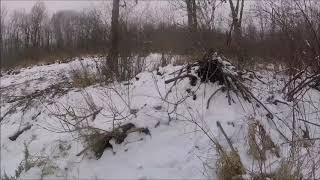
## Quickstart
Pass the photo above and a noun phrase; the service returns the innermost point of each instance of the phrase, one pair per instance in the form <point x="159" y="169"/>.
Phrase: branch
<point x="180" y="77"/>
<point x="225" y="135"/>
<point x="214" y="93"/>
<point x="18" y="133"/>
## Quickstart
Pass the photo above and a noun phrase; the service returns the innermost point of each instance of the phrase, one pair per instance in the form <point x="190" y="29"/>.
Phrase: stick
<point x="17" y="134"/>
<point x="225" y="135"/>
<point x="179" y="77"/>
<point x="214" y="93"/>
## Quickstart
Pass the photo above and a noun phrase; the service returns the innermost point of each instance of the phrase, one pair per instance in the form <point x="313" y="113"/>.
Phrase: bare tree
<point x="236" y="14"/>
<point x="3" y="13"/>
<point x="207" y="9"/>
<point x="38" y="13"/>
<point x="192" y="14"/>
<point x="114" y="51"/>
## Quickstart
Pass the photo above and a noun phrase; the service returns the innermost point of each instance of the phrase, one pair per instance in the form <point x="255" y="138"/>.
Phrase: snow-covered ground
<point x="177" y="147"/>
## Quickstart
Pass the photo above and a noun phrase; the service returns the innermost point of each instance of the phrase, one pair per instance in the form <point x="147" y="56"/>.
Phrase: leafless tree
<point x="38" y="13"/>
<point x="236" y="14"/>
<point x="192" y="14"/>
<point x="207" y="10"/>
<point x="3" y="15"/>
<point x="114" y="51"/>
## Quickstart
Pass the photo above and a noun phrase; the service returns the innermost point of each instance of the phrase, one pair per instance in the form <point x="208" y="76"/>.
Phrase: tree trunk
<point x="192" y="21"/>
<point x="194" y="16"/>
<point x="114" y="51"/>
<point x="212" y="18"/>
<point x="189" y="12"/>
<point x="237" y="13"/>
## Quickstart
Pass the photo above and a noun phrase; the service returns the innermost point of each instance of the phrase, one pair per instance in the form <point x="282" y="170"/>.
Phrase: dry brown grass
<point x="260" y="142"/>
<point x="84" y="77"/>
<point x="180" y="60"/>
<point x="184" y="59"/>
<point x="82" y="80"/>
<point x="229" y="166"/>
<point x="97" y="143"/>
<point x="286" y="171"/>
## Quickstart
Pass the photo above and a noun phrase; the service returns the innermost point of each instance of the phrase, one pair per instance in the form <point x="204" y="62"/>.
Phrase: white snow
<point x="175" y="150"/>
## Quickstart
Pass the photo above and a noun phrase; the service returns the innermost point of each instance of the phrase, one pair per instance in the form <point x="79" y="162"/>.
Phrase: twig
<point x="212" y="95"/>
<point x="180" y="77"/>
<point x="17" y="134"/>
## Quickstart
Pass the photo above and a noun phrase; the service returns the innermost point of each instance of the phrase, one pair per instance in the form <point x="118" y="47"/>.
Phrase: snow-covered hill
<point x="180" y="145"/>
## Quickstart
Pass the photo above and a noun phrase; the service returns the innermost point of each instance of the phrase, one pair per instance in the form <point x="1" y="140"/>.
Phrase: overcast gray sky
<point x="51" y="5"/>
<point x="151" y="10"/>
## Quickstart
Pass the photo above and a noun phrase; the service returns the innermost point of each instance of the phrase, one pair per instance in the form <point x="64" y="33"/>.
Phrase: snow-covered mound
<point x="181" y="126"/>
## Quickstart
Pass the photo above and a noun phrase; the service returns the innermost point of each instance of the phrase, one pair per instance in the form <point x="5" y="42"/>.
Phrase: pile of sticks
<point x="213" y="68"/>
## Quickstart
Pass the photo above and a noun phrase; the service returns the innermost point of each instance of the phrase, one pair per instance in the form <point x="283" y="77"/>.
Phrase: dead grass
<point x="183" y="59"/>
<point x="84" y="77"/>
<point x="286" y="171"/>
<point x="97" y="142"/>
<point x="31" y="58"/>
<point x="82" y="80"/>
<point x="180" y="60"/>
<point x="47" y="166"/>
<point x="260" y="142"/>
<point x="229" y="166"/>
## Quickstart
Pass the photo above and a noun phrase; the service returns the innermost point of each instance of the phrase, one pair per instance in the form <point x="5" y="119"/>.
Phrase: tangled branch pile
<point x="213" y="68"/>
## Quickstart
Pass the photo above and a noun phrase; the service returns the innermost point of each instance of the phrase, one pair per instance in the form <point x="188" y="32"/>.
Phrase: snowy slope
<point x="175" y="150"/>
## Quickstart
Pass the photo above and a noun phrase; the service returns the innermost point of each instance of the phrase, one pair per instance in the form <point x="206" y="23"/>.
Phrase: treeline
<point x="32" y="36"/>
<point x="272" y="31"/>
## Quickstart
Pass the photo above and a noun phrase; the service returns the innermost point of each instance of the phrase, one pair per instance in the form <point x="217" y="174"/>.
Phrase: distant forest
<point x="272" y="32"/>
